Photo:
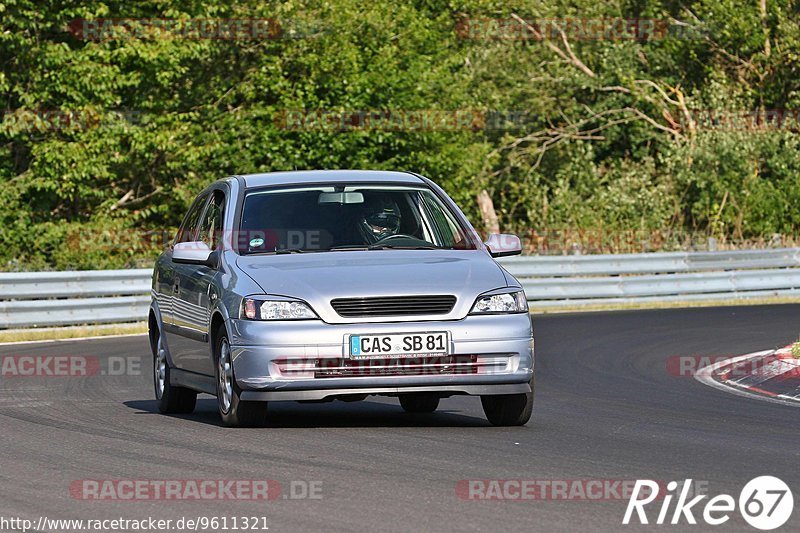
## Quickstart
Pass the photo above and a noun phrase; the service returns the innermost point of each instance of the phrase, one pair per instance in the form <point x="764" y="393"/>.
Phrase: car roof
<point x="328" y="176"/>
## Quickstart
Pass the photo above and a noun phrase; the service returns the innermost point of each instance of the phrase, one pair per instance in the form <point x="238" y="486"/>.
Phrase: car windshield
<point x="344" y="217"/>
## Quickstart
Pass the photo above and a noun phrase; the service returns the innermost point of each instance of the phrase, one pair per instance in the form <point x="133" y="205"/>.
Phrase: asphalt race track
<point x="606" y="409"/>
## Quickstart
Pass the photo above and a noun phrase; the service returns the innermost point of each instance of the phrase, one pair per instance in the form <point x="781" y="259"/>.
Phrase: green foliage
<point x="104" y="142"/>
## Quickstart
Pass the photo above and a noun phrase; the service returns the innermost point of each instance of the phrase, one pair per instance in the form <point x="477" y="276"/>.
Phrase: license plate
<point x="399" y="345"/>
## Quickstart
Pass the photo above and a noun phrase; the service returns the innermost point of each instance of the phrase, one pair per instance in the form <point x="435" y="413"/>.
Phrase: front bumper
<point x="306" y="360"/>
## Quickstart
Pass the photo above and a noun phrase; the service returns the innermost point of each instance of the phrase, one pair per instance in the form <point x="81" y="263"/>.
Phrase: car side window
<point x="443" y="227"/>
<point x="188" y="231"/>
<point x="211" y="226"/>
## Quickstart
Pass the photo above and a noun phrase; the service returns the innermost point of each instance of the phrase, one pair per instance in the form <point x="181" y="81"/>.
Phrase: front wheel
<point x="234" y="411"/>
<point x="171" y="399"/>
<point x="508" y="409"/>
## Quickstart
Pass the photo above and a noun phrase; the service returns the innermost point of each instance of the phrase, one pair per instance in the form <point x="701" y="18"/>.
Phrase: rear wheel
<point x="171" y="399"/>
<point x="234" y="411"/>
<point x="419" y="402"/>
<point x="508" y="409"/>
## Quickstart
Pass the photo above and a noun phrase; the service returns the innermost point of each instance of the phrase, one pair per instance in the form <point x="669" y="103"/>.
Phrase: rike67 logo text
<point x="765" y="503"/>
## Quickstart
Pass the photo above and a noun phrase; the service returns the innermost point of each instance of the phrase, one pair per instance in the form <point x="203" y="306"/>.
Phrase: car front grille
<point x="393" y="306"/>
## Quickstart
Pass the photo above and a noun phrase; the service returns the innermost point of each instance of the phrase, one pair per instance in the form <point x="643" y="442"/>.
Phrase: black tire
<point x="237" y="413"/>
<point x="509" y="409"/>
<point x="419" y="402"/>
<point x="171" y="399"/>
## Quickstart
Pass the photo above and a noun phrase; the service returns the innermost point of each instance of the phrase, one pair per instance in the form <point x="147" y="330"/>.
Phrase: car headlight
<point x="504" y="302"/>
<point x="257" y="309"/>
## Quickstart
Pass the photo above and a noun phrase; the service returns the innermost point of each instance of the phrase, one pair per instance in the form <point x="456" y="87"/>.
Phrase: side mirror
<point x="503" y="245"/>
<point x="194" y="253"/>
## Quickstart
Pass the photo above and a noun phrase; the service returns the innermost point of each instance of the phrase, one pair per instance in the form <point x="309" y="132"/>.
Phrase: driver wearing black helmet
<point x="380" y="218"/>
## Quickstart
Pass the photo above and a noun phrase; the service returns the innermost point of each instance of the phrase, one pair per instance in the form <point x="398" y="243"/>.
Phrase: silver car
<point x="336" y="285"/>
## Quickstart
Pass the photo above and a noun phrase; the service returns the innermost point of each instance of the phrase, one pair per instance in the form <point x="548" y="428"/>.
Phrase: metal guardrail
<point x="558" y="281"/>
<point x="35" y="299"/>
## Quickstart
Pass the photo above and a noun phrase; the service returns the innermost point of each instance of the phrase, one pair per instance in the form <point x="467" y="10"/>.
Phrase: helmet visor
<point x="389" y="222"/>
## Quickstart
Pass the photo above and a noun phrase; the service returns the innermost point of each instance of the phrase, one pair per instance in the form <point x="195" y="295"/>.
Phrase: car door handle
<point x="176" y="286"/>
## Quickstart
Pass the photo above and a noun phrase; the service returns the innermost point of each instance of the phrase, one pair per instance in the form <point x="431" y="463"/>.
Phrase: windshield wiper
<point x="349" y="249"/>
<point x="394" y="247"/>
<point x="279" y="251"/>
<point x="382" y="247"/>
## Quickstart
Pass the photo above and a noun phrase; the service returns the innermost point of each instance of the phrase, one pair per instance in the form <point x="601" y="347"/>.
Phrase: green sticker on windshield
<point x="255" y="243"/>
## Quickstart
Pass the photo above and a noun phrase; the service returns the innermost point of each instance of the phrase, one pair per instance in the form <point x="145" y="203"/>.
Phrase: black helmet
<point x="380" y="218"/>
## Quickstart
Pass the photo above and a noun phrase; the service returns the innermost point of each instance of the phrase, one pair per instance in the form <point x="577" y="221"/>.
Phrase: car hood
<point x="318" y="278"/>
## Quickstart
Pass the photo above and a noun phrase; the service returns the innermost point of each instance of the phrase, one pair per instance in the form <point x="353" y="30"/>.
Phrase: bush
<point x="118" y="134"/>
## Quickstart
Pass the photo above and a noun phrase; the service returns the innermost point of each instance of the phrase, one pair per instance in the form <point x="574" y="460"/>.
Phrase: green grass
<point x="796" y="350"/>
<point x="71" y="332"/>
